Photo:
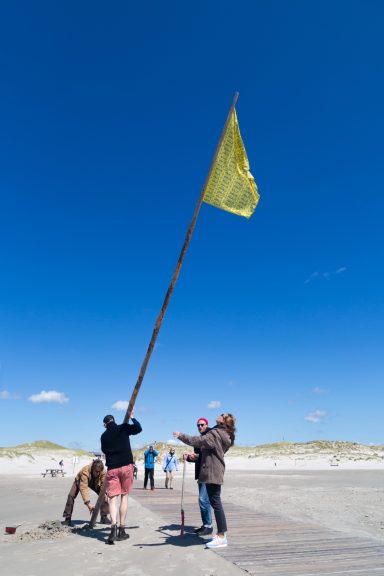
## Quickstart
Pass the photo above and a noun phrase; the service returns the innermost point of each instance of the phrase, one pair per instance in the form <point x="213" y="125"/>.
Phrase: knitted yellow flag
<point x="231" y="186"/>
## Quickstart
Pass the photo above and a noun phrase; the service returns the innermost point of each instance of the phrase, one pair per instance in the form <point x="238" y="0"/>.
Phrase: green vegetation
<point x="39" y="446"/>
<point x="44" y="444"/>
<point x="334" y="450"/>
<point x="299" y="450"/>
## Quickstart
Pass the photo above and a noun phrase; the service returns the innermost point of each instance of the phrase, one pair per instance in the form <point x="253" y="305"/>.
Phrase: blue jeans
<point x="205" y="507"/>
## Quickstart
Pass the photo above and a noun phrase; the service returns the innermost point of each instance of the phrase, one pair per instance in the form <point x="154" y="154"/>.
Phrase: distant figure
<point x="116" y="446"/>
<point x="135" y="471"/>
<point x="213" y="445"/>
<point x="205" y="507"/>
<point x="149" y="467"/>
<point x="90" y="477"/>
<point x="61" y="464"/>
<point x="169" y="466"/>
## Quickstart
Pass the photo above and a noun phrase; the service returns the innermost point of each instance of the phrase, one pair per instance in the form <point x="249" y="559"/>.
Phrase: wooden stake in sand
<point x="182" y="499"/>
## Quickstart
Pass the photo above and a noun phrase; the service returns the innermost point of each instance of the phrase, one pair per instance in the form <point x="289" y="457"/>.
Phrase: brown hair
<point x="98" y="465"/>
<point x="229" y="423"/>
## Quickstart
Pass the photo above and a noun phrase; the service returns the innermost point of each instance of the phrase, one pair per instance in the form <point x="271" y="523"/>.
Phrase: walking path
<point x="268" y="545"/>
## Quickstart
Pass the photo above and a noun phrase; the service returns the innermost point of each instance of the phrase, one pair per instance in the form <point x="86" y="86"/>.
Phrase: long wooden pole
<point x="167" y="298"/>
<point x="177" y="271"/>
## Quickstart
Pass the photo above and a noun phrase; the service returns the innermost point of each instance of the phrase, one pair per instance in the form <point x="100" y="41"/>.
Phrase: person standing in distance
<point x="213" y="445"/>
<point x="116" y="446"/>
<point x="205" y="507"/>
<point x="149" y="467"/>
<point x="169" y="466"/>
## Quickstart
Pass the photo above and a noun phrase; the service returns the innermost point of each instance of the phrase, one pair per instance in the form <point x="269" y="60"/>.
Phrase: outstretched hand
<point x="176" y="434"/>
<point x="190" y="457"/>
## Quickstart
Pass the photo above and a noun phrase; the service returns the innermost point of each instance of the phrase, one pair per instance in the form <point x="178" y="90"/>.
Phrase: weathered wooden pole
<point x="166" y="301"/>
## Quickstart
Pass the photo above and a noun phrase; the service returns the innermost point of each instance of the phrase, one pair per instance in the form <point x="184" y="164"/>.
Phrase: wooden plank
<point x="264" y="544"/>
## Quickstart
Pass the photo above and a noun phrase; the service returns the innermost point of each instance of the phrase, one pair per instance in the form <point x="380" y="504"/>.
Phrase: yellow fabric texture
<point x="231" y="186"/>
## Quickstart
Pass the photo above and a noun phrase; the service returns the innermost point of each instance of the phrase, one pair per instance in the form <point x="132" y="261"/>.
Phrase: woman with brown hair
<point x="213" y="445"/>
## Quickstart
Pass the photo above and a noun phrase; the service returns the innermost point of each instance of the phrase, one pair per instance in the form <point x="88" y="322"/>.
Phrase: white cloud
<point x="214" y="404"/>
<point x="312" y="276"/>
<point x="5" y="395"/>
<point x="319" y="391"/>
<point x="120" y="405"/>
<point x="326" y="275"/>
<point x="316" y="416"/>
<point x="49" y="396"/>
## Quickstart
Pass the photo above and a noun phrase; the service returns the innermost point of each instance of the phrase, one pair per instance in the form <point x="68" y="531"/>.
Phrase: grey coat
<point x="213" y="445"/>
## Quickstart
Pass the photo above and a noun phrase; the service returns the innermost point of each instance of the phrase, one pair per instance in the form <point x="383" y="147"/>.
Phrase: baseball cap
<point x="108" y="418"/>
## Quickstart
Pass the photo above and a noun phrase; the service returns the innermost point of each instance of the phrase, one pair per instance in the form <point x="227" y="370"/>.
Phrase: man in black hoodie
<point x="119" y="461"/>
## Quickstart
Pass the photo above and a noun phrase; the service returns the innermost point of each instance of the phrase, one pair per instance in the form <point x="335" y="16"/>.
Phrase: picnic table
<point x="53" y="472"/>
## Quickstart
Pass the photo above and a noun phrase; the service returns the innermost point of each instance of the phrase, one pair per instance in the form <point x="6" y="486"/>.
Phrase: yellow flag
<point x="231" y="186"/>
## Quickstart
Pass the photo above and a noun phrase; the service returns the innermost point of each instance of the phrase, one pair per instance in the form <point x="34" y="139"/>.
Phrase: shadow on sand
<point x="97" y="533"/>
<point x="187" y="540"/>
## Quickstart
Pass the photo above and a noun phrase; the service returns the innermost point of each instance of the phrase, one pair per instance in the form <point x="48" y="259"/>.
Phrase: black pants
<point x="149" y="472"/>
<point x="214" y="495"/>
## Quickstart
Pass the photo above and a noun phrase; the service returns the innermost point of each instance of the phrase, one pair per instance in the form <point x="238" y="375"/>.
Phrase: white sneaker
<point x="218" y="542"/>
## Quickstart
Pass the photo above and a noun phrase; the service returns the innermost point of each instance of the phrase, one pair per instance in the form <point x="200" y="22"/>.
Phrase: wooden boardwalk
<point x="268" y="545"/>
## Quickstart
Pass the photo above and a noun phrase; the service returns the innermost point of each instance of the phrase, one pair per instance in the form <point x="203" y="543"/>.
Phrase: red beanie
<point x="204" y="420"/>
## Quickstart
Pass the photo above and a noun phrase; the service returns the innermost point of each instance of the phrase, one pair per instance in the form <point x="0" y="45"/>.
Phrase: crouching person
<point x="91" y="477"/>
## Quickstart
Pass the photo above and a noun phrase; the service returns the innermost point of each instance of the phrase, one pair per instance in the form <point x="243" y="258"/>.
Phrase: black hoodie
<point x="116" y="445"/>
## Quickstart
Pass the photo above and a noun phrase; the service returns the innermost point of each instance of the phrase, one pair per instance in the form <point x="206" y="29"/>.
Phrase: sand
<point x="346" y="498"/>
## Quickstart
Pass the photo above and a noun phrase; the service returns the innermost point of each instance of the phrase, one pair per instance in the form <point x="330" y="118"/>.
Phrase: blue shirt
<point x="170" y="462"/>
<point x="149" y="458"/>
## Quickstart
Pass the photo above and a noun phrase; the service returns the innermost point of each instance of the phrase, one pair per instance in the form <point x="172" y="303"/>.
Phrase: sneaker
<point x="205" y="531"/>
<point x="105" y="520"/>
<point x="198" y="529"/>
<point x="217" y="542"/>
<point x="67" y="522"/>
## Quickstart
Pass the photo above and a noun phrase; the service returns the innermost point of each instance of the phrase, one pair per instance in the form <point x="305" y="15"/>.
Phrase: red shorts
<point x="120" y="480"/>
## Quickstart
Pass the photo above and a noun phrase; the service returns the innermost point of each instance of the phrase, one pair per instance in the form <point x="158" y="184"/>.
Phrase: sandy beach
<point x="348" y="499"/>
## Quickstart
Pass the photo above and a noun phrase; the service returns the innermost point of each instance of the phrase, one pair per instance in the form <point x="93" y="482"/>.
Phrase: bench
<point x="53" y="472"/>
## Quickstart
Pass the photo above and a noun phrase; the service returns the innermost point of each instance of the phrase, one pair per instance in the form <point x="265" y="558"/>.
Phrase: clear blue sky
<point x="110" y="114"/>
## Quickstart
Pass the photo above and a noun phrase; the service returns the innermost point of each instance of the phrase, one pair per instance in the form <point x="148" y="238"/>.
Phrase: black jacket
<point x="116" y="445"/>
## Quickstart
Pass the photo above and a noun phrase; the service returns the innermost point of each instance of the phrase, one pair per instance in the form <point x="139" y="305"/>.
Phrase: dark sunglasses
<point x="201" y="425"/>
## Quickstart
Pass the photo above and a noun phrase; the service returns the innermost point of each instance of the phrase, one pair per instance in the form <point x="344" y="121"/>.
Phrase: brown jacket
<point x="213" y="445"/>
<point x="86" y="480"/>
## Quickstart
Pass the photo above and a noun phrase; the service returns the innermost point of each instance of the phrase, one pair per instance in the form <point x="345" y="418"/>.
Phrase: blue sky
<point x="110" y="115"/>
